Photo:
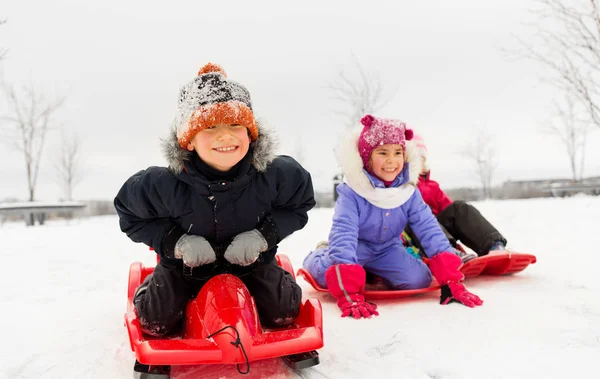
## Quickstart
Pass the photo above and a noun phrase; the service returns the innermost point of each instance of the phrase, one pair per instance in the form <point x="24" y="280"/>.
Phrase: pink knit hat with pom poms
<point x="380" y="131"/>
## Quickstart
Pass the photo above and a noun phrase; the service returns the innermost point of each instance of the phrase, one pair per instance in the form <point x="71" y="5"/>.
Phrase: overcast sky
<point x="121" y="63"/>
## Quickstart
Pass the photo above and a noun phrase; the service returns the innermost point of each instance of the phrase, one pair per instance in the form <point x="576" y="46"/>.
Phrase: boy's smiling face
<point x="221" y="146"/>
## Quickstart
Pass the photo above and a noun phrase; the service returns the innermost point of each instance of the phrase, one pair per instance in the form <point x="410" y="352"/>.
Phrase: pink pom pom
<point x="409" y="134"/>
<point x="367" y="120"/>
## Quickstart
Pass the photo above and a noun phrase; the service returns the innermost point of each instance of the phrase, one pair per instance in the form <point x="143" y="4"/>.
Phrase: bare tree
<point x="482" y="155"/>
<point x="357" y="94"/>
<point x="572" y="132"/>
<point x="68" y="164"/>
<point x="2" y="50"/>
<point x="568" y="44"/>
<point x="31" y="118"/>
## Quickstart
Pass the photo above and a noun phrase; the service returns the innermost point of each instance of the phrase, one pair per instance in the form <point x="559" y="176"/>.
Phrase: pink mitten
<point x="445" y="267"/>
<point x="346" y="282"/>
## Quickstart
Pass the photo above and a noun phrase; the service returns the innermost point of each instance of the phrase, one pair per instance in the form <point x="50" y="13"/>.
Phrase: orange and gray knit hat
<point x="212" y="99"/>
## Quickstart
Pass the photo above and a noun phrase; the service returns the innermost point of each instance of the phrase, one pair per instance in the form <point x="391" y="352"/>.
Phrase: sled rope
<point x="236" y="343"/>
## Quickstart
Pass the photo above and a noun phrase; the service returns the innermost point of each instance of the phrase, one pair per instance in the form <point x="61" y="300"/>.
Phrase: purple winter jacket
<point x="356" y="219"/>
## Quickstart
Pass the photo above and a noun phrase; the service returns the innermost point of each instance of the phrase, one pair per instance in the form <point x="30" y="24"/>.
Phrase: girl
<point x="376" y="202"/>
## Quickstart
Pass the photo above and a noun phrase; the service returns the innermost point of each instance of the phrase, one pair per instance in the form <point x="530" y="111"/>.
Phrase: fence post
<point x="337" y="179"/>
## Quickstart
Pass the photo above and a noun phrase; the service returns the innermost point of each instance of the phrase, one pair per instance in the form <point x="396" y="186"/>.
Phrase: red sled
<point x="372" y="294"/>
<point x="222" y="327"/>
<point x="498" y="263"/>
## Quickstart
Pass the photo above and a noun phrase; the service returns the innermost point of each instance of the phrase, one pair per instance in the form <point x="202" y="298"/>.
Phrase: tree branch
<point x="31" y="118"/>
<point x="356" y="95"/>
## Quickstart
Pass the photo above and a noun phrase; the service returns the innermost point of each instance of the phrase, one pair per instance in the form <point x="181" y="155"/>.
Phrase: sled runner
<point x="222" y="327"/>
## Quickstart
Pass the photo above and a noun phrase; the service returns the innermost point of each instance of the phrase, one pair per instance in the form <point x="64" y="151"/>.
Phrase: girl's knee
<point x="414" y="280"/>
<point x="421" y="281"/>
<point x="316" y="263"/>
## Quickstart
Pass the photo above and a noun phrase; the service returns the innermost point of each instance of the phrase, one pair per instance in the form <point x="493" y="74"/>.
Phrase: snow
<point x="64" y="295"/>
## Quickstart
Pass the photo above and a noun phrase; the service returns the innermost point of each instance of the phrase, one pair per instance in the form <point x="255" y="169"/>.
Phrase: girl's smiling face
<point x="387" y="161"/>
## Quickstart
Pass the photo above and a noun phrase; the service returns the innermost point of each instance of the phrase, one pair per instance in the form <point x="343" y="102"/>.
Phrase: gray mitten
<point x="194" y="250"/>
<point x="246" y="247"/>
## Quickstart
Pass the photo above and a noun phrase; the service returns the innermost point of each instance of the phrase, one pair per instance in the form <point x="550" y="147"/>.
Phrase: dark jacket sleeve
<point x="295" y="197"/>
<point x="144" y="214"/>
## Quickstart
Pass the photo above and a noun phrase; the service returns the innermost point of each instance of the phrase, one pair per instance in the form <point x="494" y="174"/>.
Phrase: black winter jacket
<point x="272" y="194"/>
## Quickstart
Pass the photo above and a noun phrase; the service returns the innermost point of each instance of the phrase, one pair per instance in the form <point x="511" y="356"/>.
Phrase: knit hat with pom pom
<point x="380" y="131"/>
<point x="212" y="99"/>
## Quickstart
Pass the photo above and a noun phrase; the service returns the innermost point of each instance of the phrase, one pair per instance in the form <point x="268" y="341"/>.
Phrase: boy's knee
<point x="460" y="205"/>
<point x="158" y="323"/>
<point x="156" y="318"/>
<point x="283" y="311"/>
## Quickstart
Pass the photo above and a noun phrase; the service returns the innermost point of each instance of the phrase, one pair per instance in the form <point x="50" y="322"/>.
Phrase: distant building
<point x="550" y="187"/>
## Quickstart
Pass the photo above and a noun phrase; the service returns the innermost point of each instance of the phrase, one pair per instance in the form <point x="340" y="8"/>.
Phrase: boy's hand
<point x="194" y="250"/>
<point x="246" y="247"/>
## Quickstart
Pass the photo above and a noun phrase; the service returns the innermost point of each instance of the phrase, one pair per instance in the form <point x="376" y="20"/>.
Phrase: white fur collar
<point x="352" y="168"/>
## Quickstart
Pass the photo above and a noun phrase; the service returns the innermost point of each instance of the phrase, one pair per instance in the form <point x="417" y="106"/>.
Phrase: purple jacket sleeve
<point x="425" y="226"/>
<point x="343" y="237"/>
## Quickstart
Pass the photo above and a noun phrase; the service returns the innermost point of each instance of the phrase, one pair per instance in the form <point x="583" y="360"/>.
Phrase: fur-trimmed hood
<point x="355" y="177"/>
<point x="263" y="149"/>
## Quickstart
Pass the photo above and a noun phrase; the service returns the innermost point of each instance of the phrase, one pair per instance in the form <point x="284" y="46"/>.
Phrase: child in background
<point x="376" y="202"/>
<point x="460" y="220"/>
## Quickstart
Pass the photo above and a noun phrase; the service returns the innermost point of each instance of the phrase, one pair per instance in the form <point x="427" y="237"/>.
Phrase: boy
<point x="222" y="205"/>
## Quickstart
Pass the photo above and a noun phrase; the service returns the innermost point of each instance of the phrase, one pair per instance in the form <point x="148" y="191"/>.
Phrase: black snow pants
<point x="161" y="300"/>
<point x="462" y="222"/>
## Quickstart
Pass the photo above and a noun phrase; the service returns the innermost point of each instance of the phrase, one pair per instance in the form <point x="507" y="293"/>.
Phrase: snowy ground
<point x="64" y="293"/>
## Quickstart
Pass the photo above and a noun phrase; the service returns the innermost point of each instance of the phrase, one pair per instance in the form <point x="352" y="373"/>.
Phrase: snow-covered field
<point x="64" y="292"/>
